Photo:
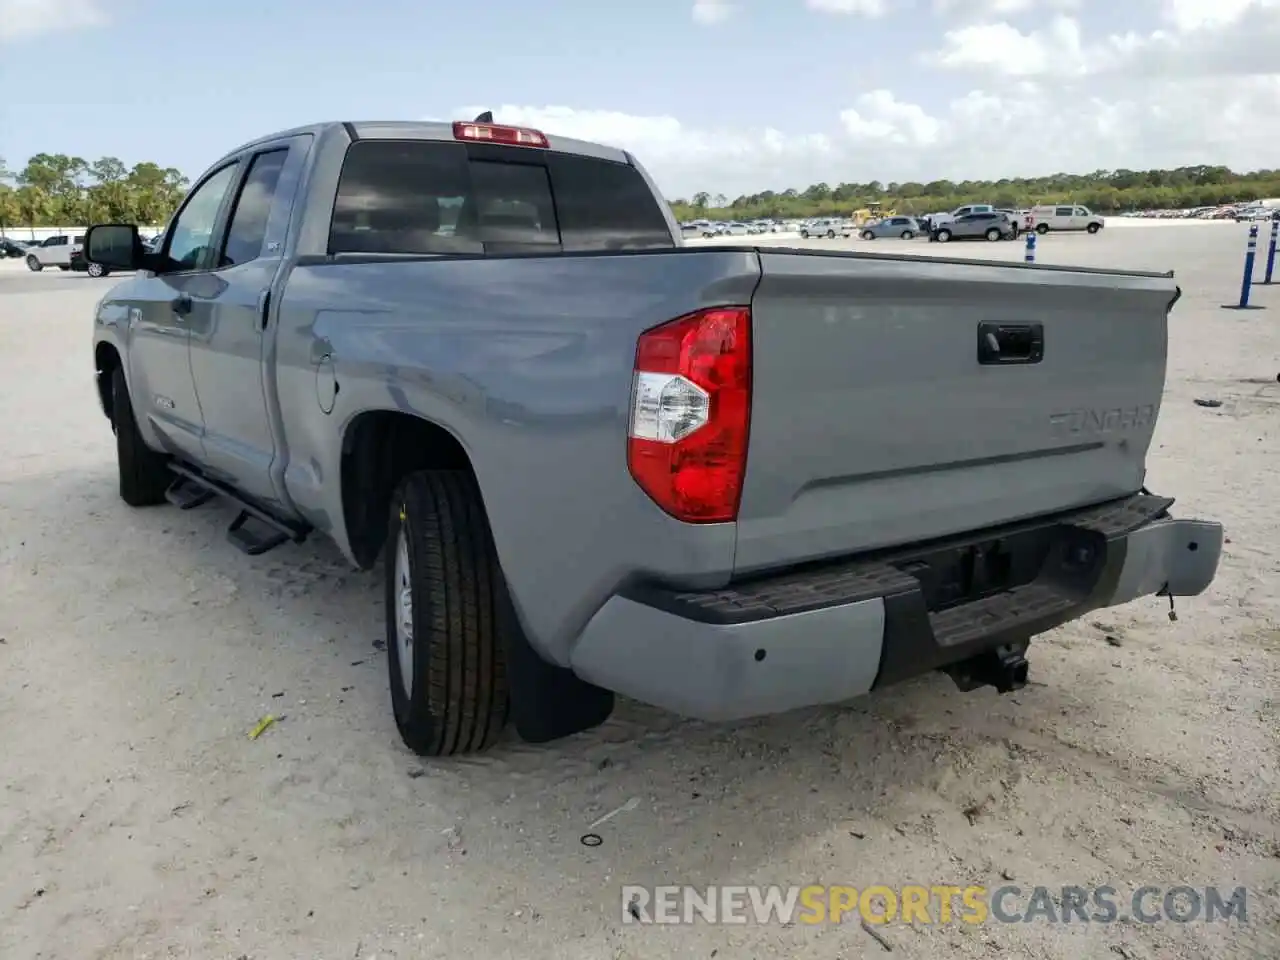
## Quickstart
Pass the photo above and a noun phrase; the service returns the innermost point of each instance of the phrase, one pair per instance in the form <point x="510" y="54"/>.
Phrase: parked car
<point x="11" y="249"/>
<point x="904" y="227"/>
<point x="938" y="219"/>
<point x="1065" y="217"/>
<point x="820" y="228"/>
<point x="974" y="226"/>
<point x="55" y="251"/>
<point x="80" y="265"/>
<point x="403" y="378"/>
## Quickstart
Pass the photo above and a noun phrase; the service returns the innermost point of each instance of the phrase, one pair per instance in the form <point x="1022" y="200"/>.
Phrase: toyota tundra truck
<point x="727" y="481"/>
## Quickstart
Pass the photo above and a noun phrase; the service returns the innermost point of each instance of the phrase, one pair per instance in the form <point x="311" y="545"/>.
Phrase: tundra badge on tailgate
<point x="1102" y="421"/>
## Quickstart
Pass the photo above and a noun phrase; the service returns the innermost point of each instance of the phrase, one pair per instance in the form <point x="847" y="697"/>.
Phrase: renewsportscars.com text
<point x="935" y="904"/>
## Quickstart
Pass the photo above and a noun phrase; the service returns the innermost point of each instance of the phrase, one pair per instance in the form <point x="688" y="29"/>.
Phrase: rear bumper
<point x="837" y="630"/>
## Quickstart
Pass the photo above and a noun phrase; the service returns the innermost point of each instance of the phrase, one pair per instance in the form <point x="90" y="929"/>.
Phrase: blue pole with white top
<point x="1250" y="254"/>
<point x="1271" y="247"/>
<point x="1030" y="255"/>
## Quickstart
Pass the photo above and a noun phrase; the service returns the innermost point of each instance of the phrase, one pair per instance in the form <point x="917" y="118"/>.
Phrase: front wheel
<point x="144" y="474"/>
<point x="944" y="236"/>
<point x="1093" y="228"/>
<point x="831" y="234"/>
<point x="34" y="265"/>
<point x="445" y="657"/>
<point x="96" y="270"/>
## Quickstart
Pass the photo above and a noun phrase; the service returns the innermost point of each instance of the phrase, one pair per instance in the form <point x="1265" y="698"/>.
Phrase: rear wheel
<point x="144" y="474"/>
<point x="993" y="234"/>
<point x="1042" y="228"/>
<point x="445" y="656"/>
<point x="96" y="270"/>
<point x="831" y="234"/>
<point x="804" y="234"/>
<point x="944" y="235"/>
<point x="34" y="265"/>
<point x="868" y="235"/>
<point x="907" y="234"/>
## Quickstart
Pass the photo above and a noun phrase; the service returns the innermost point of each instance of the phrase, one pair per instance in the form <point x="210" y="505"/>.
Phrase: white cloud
<point x="712" y="11"/>
<point x="24" y="19"/>
<point x="986" y="9"/>
<point x="865" y="8"/>
<point x="1200" y="84"/>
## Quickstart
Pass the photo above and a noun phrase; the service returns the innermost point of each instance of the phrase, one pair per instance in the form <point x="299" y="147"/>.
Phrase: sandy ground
<point x="138" y="820"/>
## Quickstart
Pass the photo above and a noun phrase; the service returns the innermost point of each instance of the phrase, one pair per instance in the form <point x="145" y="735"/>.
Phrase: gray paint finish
<point x="715" y="673"/>
<point x="871" y="422"/>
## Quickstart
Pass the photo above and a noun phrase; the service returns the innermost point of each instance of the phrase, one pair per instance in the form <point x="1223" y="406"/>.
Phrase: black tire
<point x="944" y="235"/>
<point x="831" y="234"/>
<point x="457" y="698"/>
<point x="907" y="235"/>
<point x="868" y="235"/>
<point x="34" y="265"/>
<point x="97" y="270"/>
<point x="144" y="474"/>
<point x="1042" y="228"/>
<point x="1093" y="228"/>
<point x="804" y="234"/>
<point x="993" y="234"/>
<point x="64" y="267"/>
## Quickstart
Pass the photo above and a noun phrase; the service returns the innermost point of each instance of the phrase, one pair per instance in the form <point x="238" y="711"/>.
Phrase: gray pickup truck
<point x="728" y="481"/>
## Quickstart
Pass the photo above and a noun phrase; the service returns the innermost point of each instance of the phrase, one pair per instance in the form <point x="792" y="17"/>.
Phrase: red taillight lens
<point x="493" y="133"/>
<point x="691" y="412"/>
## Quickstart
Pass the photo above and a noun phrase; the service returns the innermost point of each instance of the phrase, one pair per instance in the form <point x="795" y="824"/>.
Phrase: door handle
<point x="181" y="304"/>
<point x="1007" y="343"/>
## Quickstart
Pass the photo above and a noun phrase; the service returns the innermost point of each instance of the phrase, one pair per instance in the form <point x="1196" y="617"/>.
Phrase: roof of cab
<point x="428" y="130"/>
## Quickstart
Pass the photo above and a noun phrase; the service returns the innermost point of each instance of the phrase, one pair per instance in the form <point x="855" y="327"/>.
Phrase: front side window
<point x="192" y="238"/>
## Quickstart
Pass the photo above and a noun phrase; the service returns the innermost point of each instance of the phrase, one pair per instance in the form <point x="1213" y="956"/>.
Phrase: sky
<point x="726" y="96"/>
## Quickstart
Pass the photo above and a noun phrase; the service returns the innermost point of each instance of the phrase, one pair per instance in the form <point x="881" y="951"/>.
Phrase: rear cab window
<point x="421" y="197"/>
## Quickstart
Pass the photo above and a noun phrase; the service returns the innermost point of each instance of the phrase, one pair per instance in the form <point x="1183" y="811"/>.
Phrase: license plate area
<point x="961" y="574"/>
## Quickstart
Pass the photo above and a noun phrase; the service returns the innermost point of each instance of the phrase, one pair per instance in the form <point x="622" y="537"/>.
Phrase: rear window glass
<point x="432" y="197"/>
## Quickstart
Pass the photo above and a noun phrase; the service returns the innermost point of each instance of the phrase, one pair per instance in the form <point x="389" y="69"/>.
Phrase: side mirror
<point x="116" y="246"/>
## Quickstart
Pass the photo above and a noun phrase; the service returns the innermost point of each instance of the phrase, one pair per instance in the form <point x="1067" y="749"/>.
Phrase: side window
<point x="192" y="233"/>
<point x="55" y="242"/>
<point x="1081" y="212"/>
<point x="248" y="223"/>
<point x="1062" y="212"/>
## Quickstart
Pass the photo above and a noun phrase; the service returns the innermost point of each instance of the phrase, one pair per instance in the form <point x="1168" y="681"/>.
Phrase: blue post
<point x="1271" y="248"/>
<point x="1030" y="255"/>
<point x="1250" y="254"/>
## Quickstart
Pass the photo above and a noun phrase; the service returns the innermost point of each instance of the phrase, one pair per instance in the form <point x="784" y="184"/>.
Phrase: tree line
<point x="1104" y="191"/>
<point x="54" y="189"/>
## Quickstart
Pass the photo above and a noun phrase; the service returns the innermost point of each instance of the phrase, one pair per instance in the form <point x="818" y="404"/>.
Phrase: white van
<point x="1064" y="217"/>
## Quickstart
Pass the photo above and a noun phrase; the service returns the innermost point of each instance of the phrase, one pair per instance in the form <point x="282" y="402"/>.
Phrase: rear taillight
<point x="690" y="414"/>
<point x="496" y="133"/>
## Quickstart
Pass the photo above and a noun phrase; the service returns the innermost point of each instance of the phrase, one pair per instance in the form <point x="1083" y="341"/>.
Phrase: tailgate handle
<point x="1005" y="343"/>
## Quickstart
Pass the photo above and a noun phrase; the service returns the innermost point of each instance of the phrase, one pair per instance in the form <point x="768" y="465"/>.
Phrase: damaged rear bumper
<point x="832" y="631"/>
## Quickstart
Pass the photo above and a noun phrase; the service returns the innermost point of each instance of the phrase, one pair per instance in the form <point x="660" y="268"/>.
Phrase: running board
<point x="254" y="531"/>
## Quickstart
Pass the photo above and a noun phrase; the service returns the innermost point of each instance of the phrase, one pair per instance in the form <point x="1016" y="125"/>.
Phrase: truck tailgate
<point x="896" y="400"/>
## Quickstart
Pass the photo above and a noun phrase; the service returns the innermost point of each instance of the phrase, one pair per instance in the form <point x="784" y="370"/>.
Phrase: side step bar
<point x="254" y="531"/>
